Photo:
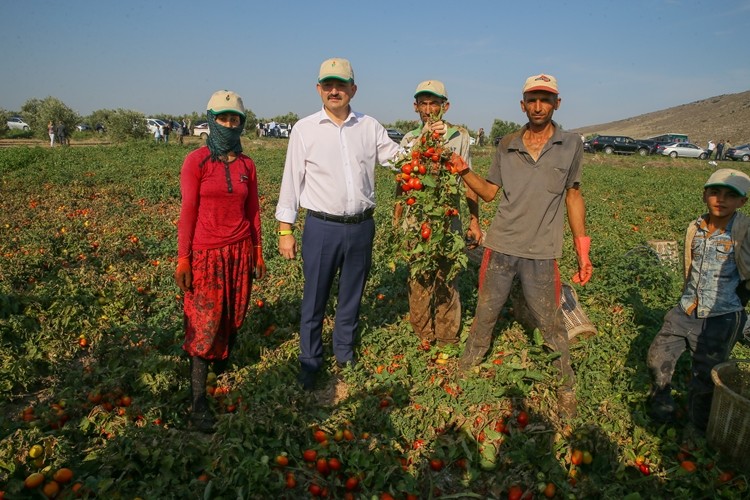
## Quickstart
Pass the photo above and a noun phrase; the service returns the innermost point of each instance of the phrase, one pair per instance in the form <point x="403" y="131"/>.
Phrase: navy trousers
<point x="331" y="248"/>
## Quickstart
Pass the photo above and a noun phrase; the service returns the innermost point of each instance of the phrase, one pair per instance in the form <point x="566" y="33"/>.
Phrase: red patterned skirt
<point x="216" y="306"/>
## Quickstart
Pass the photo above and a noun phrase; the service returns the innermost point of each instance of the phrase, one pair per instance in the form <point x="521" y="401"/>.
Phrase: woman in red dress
<point x="219" y="245"/>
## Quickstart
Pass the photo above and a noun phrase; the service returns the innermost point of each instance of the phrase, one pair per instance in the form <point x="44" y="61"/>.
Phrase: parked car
<point x="616" y="144"/>
<point x="201" y="130"/>
<point x="152" y="123"/>
<point x="16" y="123"/>
<point x="284" y="130"/>
<point x="395" y="135"/>
<point x="738" y="153"/>
<point x="684" y="150"/>
<point x="82" y="127"/>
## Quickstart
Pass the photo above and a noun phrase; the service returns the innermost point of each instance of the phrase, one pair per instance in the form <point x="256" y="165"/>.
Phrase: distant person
<point x="330" y="171"/>
<point x="219" y="246"/>
<point x="157" y="133"/>
<point x="711" y="147"/>
<point x="165" y="130"/>
<point x="480" y="137"/>
<point x="60" y="133"/>
<point x="720" y="150"/>
<point x="534" y="171"/>
<point x="51" y="133"/>
<point x="709" y="316"/>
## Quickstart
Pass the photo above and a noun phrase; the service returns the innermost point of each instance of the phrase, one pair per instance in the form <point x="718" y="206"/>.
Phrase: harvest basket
<point x="729" y="421"/>
<point x="577" y="323"/>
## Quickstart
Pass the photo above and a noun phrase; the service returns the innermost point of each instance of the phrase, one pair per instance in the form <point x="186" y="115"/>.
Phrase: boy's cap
<point x="225" y="101"/>
<point x="433" y="87"/>
<point x="547" y="83"/>
<point x="727" y="177"/>
<point x="338" y="68"/>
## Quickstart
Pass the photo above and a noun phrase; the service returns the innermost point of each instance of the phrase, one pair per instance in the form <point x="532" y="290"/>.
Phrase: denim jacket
<point x="739" y="235"/>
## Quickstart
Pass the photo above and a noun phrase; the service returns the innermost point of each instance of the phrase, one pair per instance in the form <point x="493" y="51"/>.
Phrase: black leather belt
<point x="344" y="219"/>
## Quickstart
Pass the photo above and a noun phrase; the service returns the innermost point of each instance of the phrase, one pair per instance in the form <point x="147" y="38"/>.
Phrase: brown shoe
<point x="566" y="403"/>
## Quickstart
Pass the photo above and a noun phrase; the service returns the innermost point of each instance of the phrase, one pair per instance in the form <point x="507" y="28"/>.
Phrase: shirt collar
<point x="323" y="116"/>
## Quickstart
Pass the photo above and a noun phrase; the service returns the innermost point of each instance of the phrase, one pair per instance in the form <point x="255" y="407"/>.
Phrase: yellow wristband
<point x="284" y="232"/>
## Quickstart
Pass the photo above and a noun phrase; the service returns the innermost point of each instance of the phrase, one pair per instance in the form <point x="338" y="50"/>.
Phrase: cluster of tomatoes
<point x="427" y="179"/>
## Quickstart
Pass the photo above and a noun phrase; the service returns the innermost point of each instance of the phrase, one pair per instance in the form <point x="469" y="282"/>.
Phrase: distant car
<point x="284" y="130"/>
<point x="16" y="123"/>
<point x="395" y="134"/>
<point x="684" y="150"/>
<point x="472" y="141"/>
<point x="738" y="153"/>
<point x="82" y="127"/>
<point x="100" y="128"/>
<point x="496" y="140"/>
<point x="616" y="144"/>
<point x="201" y="130"/>
<point x="152" y="123"/>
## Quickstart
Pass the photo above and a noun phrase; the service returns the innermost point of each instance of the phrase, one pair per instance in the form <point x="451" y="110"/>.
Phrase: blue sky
<point x="613" y="59"/>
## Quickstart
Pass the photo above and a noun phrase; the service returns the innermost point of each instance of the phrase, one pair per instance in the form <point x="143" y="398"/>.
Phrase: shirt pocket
<point x="725" y="252"/>
<point x="556" y="179"/>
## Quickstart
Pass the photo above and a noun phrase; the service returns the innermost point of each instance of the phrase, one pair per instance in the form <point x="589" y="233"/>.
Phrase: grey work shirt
<point x="530" y="211"/>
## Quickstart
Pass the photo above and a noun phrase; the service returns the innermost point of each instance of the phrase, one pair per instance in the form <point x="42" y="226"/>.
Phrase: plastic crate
<point x="729" y="421"/>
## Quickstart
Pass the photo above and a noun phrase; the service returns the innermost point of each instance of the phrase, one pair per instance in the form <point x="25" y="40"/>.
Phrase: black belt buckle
<point x="344" y="219"/>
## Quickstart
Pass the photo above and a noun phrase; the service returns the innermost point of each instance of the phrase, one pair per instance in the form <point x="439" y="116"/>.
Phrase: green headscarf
<point x="221" y="140"/>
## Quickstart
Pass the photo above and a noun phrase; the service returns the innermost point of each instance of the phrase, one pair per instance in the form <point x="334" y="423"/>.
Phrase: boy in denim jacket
<point x="709" y="317"/>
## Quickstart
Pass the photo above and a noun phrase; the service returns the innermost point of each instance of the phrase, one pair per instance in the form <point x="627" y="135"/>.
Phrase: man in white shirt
<point x="330" y="171"/>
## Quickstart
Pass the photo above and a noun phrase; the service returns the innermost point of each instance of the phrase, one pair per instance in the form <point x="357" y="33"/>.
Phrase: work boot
<point x="306" y="379"/>
<point x="662" y="406"/>
<point x="566" y="403"/>
<point x="471" y="357"/>
<point x="202" y="421"/>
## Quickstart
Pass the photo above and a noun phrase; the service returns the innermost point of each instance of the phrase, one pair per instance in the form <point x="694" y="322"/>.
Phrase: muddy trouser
<point x="435" y="307"/>
<point x="540" y="282"/>
<point x="710" y="341"/>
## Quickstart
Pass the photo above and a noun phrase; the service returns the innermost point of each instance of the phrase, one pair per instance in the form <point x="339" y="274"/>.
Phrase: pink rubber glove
<point x="582" y="245"/>
<point x="459" y="164"/>
<point x="183" y="275"/>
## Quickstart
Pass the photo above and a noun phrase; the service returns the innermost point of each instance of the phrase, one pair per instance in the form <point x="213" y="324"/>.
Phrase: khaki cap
<point x="338" y="68"/>
<point x="733" y="179"/>
<point x="225" y="101"/>
<point x="434" y="87"/>
<point x="546" y="83"/>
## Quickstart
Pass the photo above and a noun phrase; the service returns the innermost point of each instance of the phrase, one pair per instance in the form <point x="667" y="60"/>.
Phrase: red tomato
<point x="576" y="457"/>
<point x="291" y="482"/>
<point x="411" y="200"/>
<point x="320" y="436"/>
<point x="515" y="492"/>
<point x="435" y="158"/>
<point x="522" y="419"/>
<point x="334" y="463"/>
<point x="309" y="455"/>
<point x="422" y="169"/>
<point x="352" y="483"/>
<point x="436" y="464"/>
<point x="322" y="466"/>
<point x="282" y="460"/>
<point x="407" y="168"/>
<point x="426" y="232"/>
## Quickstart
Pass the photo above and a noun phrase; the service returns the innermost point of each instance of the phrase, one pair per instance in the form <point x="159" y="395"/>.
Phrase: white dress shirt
<point x="331" y="169"/>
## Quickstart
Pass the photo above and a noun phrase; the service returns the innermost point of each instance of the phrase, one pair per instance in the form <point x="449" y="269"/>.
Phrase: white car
<point x="201" y="130"/>
<point x="685" y="150"/>
<point x="284" y="130"/>
<point x="17" y="123"/>
<point x="152" y="123"/>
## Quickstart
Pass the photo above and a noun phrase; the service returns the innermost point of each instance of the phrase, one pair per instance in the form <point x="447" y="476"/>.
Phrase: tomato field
<point x="94" y="386"/>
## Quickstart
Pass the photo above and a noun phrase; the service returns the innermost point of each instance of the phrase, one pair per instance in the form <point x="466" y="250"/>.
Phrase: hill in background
<point x="722" y="117"/>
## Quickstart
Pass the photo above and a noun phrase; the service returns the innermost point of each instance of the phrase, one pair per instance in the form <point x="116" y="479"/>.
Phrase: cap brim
<point x="541" y="88"/>
<point x="726" y="186"/>
<point x="334" y="77"/>
<point x="236" y="112"/>
<point x="431" y="93"/>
